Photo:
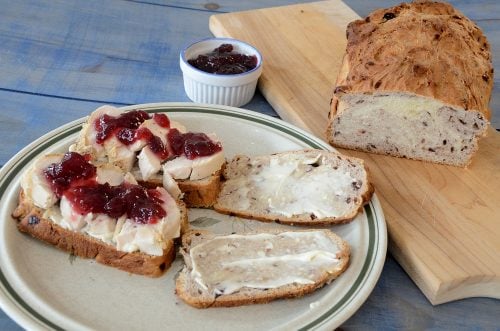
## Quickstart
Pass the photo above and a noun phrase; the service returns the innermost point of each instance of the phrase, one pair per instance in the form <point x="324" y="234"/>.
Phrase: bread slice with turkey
<point x="100" y="213"/>
<point x="156" y="150"/>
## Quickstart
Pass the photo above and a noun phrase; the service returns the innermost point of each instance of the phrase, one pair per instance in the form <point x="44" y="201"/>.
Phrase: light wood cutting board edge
<point x="439" y="278"/>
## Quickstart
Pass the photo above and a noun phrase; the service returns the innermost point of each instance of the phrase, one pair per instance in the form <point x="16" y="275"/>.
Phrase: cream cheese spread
<point x="296" y="185"/>
<point x="225" y="264"/>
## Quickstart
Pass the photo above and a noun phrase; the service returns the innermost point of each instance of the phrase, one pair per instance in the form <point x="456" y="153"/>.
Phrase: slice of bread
<point x="31" y="221"/>
<point x="200" y="193"/>
<point x="306" y="187"/>
<point x="281" y="252"/>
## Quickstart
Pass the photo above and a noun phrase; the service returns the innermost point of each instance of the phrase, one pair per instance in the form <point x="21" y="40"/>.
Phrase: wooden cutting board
<point x="443" y="222"/>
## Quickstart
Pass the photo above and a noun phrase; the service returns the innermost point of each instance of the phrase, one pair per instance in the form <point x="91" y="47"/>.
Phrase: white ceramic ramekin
<point x="229" y="90"/>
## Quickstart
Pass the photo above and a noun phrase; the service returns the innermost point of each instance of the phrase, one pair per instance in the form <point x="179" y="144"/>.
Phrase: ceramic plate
<point x="42" y="287"/>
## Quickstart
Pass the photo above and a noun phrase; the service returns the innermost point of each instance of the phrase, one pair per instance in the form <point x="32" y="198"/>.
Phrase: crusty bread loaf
<point x="31" y="221"/>
<point x="415" y="82"/>
<point x="189" y="289"/>
<point x="305" y="187"/>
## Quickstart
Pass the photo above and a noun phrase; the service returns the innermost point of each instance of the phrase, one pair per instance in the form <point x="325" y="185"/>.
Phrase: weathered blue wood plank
<point x="7" y="324"/>
<point x="26" y="117"/>
<point x="489" y="9"/>
<point x="110" y="51"/>
<point x="120" y="51"/>
<point x="127" y="55"/>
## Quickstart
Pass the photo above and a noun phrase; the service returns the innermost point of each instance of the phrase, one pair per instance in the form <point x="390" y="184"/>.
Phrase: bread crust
<point x="201" y="193"/>
<point x="447" y="58"/>
<point x="307" y="219"/>
<point x="30" y="221"/>
<point x="248" y="296"/>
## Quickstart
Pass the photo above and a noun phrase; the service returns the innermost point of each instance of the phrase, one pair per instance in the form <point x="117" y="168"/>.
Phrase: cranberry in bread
<point x="415" y="82"/>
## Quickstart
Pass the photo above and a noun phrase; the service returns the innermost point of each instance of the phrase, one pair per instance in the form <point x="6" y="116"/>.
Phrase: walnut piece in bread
<point x="415" y="82"/>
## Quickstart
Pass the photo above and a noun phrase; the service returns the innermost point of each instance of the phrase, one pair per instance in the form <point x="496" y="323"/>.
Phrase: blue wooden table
<point x="59" y="60"/>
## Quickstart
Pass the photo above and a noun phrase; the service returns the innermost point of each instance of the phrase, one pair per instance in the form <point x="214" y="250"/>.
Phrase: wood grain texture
<point x="64" y="53"/>
<point x="443" y="221"/>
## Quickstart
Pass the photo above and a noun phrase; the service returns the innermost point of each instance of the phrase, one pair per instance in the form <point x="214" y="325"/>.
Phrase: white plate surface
<point x="42" y="287"/>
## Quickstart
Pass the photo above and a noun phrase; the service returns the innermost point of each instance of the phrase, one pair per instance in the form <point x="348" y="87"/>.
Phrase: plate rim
<point x="26" y="316"/>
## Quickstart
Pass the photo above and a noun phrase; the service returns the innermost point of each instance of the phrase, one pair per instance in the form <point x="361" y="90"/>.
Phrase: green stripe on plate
<point x="12" y="172"/>
<point x="360" y="281"/>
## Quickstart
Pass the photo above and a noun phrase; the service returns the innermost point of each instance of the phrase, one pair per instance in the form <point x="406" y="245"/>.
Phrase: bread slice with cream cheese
<point x="242" y="269"/>
<point x="305" y="187"/>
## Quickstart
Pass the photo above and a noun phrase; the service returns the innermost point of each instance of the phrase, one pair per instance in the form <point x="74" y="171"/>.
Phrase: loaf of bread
<point x="242" y="269"/>
<point x="415" y="82"/>
<point x="305" y="187"/>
